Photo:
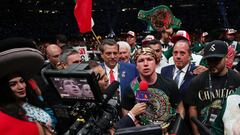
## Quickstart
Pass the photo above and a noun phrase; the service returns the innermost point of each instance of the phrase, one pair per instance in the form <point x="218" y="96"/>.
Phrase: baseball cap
<point x="131" y="33"/>
<point x="181" y="34"/>
<point x="204" y="34"/>
<point x="147" y="39"/>
<point x="231" y="31"/>
<point x="216" y="48"/>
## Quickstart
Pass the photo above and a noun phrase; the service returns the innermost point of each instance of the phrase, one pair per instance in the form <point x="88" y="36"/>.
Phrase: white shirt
<point x="182" y="74"/>
<point x="115" y="72"/>
<point x="163" y="63"/>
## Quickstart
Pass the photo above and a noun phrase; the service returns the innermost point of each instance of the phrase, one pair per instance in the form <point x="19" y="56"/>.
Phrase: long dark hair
<point x="7" y="96"/>
<point x="8" y="101"/>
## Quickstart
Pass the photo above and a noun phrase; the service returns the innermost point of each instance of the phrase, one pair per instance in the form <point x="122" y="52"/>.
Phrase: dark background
<point x="46" y="18"/>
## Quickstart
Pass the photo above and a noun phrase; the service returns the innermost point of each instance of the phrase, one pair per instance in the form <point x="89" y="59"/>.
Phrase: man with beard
<point x="208" y="91"/>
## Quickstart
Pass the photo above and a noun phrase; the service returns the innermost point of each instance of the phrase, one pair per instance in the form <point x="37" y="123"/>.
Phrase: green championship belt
<point x="160" y="18"/>
<point x="159" y="110"/>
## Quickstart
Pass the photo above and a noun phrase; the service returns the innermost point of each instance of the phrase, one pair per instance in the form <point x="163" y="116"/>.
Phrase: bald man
<point x="53" y="52"/>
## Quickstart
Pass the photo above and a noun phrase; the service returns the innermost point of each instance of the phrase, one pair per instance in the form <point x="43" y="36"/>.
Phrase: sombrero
<point x="19" y="55"/>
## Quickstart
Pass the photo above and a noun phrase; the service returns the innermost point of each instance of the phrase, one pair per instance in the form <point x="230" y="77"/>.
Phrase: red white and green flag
<point x="83" y="15"/>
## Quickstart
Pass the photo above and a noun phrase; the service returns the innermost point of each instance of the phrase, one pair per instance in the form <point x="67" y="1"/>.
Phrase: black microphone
<point x="201" y="126"/>
<point x="110" y="91"/>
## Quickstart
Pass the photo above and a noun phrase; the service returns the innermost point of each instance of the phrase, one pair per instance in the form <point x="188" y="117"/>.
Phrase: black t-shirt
<point x="164" y="98"/>
<point x="209" y="102"/>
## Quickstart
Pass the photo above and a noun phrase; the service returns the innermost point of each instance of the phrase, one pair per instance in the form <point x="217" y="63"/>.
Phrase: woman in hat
<point x="19" y="104"/>
<point x="18" y="100"/>
<point x="18" y="90"/>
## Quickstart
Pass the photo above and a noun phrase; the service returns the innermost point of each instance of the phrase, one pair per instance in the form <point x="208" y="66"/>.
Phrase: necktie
<point x="111" y="78"/>
<point x="176" y="79"/>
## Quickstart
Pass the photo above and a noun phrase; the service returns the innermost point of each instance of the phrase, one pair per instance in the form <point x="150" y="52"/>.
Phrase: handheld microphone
<point x="142" y="95"/>
<point x="201" y="126"/>
<point x="110" y="91"/>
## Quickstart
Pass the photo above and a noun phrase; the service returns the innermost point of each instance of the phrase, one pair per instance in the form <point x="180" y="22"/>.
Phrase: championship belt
<point x="160" y="18"/>
<point x="159" y="110"/>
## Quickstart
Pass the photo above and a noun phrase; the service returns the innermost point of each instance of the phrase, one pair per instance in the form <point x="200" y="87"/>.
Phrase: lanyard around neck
<point x="211" y="84"/>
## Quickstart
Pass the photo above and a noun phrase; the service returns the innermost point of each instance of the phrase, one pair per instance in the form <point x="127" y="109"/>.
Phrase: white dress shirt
<point x="163" y="63"/>
<point x="115" y="72"/>
<point x="182" y="74"/>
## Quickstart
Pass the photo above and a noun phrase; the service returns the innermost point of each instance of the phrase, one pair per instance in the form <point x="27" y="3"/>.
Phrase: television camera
<point x="94" y="111"/>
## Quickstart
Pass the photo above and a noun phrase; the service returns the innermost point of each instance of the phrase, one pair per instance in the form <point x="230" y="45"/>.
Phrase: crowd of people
<point x="190" y="79"/>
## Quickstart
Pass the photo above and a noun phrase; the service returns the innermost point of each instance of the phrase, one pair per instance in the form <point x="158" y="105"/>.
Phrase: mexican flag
<point x="83" y="15"/>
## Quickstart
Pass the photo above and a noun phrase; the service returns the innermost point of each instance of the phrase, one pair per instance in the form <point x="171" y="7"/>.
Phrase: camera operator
<point x="128" y="120"/>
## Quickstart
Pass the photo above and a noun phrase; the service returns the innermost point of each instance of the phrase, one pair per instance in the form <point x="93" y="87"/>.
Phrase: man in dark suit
<point x="182" y="70"/>
<point x="119" y="71"/>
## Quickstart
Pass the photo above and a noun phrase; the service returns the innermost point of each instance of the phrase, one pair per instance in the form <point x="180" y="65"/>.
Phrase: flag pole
<point x="95" y="37"/>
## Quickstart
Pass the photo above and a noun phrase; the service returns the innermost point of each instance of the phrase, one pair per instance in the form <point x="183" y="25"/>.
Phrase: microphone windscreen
<point x="143" y="85"/>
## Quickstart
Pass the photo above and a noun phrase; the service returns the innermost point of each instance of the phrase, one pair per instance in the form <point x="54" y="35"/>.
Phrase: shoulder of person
<point x="234" y="75"/>
<point x="201" y="77"/>
<point x="127" y="64"/>
<point x="168" y="67"/>
<point x="166" y="81"/>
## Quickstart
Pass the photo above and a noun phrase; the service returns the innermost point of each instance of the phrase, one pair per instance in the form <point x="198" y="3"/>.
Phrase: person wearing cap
<point x="230" y="39"/>
<point x="233" y="46"/>
<point x="132" y="41"/>
<point x="164" y="94"/>
<point x="208" y="91"/>
<point x="156" y="46"/>
<point x="147" y="39"/>
<point x="199" y="46"/>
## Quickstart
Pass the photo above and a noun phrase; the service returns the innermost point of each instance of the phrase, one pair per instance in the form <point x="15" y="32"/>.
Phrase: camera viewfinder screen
<point x="73" y="88"/>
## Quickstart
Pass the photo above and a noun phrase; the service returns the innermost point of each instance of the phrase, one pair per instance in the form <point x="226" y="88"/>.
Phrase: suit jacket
<point x="168" y="72"/>
<point x="125" y="122"/>
<point x="127" y="72"/>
